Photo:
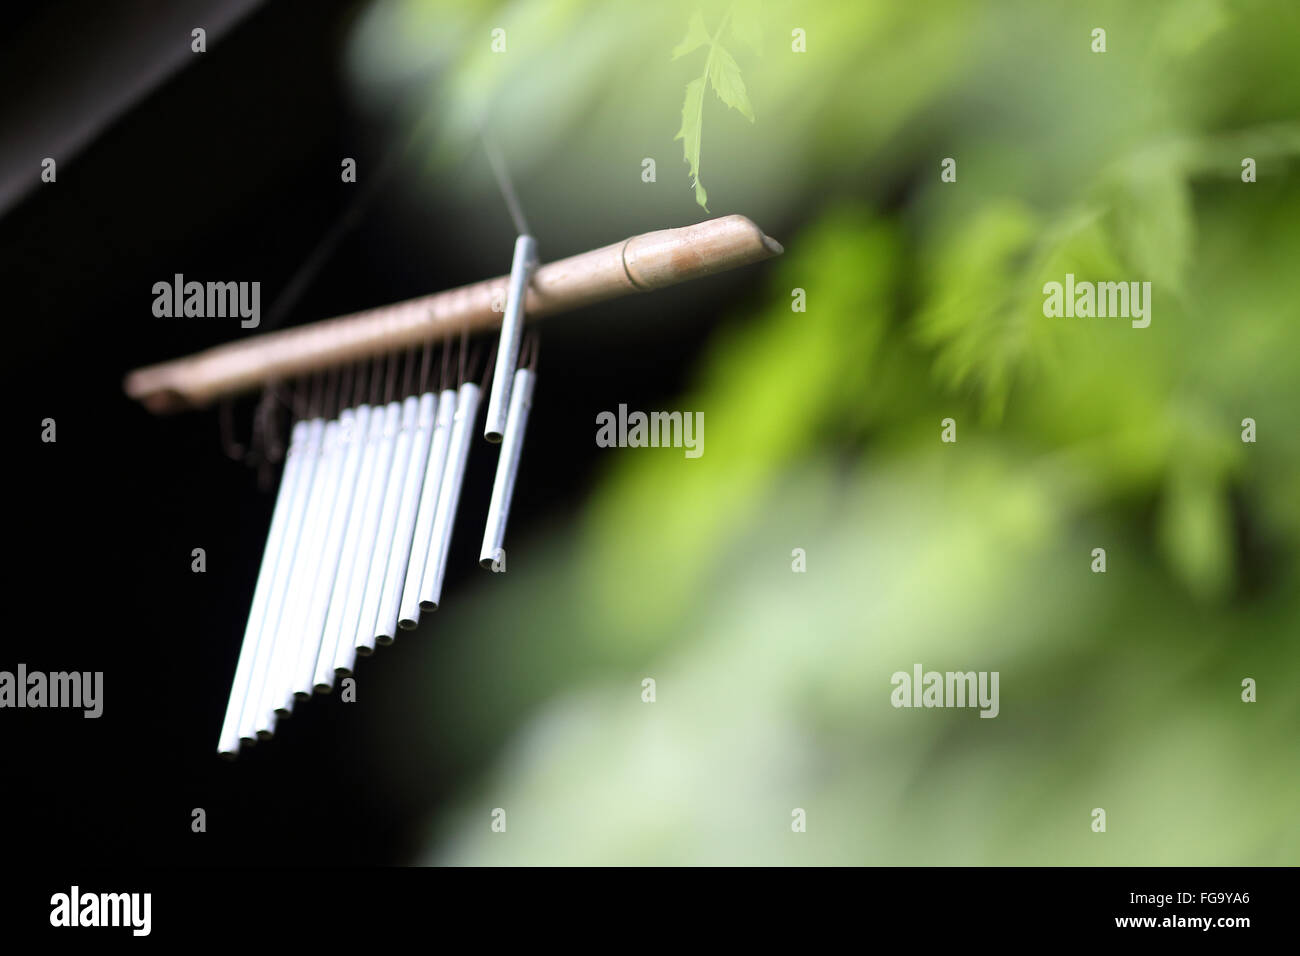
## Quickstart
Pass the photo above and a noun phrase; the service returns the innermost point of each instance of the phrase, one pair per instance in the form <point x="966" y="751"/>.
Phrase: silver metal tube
<point x="351" y="441"/>
<point x="404" y="532"/>
<point x="366" y="628"/>
<point x="253" y="722"/>
<point x="345" y="652"/>
<point x="503" y="486"/>
<point x="512" y="330"/>
<point x="409" y="612"/>
<point x="228" y="744"/>
<point x="324" y="483"/>
<point x="449" y="497"/>
<point x="320" y="519"/>
<point x="370" y="425"/>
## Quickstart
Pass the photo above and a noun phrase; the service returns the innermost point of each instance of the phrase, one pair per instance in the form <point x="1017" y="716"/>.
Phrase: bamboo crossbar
<point x="652" y="260"/>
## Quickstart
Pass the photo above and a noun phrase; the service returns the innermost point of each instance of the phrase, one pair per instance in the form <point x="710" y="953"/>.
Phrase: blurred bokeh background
<point x="924" y="300"/>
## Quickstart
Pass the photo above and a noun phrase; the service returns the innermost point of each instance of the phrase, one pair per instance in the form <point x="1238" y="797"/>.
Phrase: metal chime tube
<point x="404" y="533"/>
<point x="345" y="652"/>
<point x="324" y="483"/>
<point x="319" y="515"/>
<point x="228" y="744"/>
<point x="366" y="629"/>
<point x="254" y="722"/>
<point x="352" y="428"/>
<point x="409" y="611"/>
<point x="370" y="425"/>
<point x="449" y="497"/>
<point x="503" y="487"/>
<point x="512" y="328"/>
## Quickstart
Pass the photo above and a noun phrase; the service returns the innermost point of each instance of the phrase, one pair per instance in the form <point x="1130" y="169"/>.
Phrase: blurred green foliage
<point x="924" y="301"/>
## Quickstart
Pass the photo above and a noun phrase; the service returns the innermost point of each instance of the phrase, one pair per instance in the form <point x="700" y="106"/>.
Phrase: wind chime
<point x="362" y="525"/>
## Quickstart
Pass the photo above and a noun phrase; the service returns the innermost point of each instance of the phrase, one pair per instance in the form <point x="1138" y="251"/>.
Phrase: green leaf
<point x="696" y="36"/>
<point x="701" y="196"/>
<point x="690" y="134"/>
<point x="724" y="75"/>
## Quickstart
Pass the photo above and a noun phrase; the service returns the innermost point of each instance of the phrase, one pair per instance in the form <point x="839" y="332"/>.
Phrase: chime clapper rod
<point x="653" y="260"/>
<point x="512" y="330"/>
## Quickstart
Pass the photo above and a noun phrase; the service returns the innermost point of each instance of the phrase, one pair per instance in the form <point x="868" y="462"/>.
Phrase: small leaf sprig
<point x="720" y="72"/>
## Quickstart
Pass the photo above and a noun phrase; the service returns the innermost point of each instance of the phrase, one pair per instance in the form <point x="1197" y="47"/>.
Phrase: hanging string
<point x="505" y="185"/>
<point x="369" y="187"/>
<point x="425" y="360"/>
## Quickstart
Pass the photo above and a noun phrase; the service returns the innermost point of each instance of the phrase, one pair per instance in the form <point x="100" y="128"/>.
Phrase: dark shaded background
<point x="229" y="170"/>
